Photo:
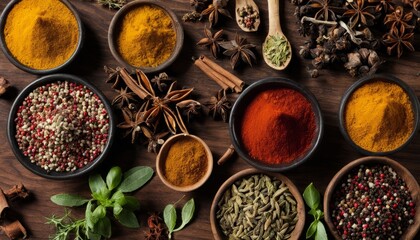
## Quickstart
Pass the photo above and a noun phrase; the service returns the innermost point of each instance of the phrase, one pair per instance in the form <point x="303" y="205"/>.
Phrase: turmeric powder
<point x="379" y="116"/>
<point x="147" y="37"/>
<point x="41" y="34"/>
<point x="186" y="162"/>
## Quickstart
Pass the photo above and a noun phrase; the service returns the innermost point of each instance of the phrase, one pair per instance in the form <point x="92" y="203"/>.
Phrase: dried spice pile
<point x="351" y="33"/>
<point x="372" y="202"/>
<point x="62" y="126"/>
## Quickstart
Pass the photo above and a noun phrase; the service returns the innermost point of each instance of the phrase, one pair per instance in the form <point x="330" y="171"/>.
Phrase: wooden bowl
<point x="114" y="29"/>
<point x="163" y="153"/>
<point x="215" y="228"/>
<point x="408" y="178"/>
<point x="25" y="68"/>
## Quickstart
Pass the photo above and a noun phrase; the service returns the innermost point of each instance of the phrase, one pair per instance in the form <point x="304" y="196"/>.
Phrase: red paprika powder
<point x="278" y="126"/>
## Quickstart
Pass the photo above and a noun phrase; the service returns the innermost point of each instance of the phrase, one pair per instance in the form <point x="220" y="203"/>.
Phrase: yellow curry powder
<point x="147" y="37"/>
<point x="41" y="34"/>
<point x="186" y="162"/>
<point x="379" y="116"/>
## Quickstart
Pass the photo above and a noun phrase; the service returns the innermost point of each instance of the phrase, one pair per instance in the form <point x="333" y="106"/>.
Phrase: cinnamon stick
<point x="14" y="230"/>
<point x="210" y="73"/>
<point x="226" y="156"/>
<point x="4" y="205"/>
<point x="238" y="83"/>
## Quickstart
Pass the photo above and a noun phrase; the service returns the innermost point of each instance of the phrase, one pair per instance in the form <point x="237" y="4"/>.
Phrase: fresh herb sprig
<point x="106" y="195"/>
<point x="170" y="216"/>
<point x="313" y="200"/>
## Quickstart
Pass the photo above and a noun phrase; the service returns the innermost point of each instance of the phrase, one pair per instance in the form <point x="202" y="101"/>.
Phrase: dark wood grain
<point x="332" y="155"/>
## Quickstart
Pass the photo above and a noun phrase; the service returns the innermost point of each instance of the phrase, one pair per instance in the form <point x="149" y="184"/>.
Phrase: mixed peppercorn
<point x="373" y="202"/>
<point x="62" y="126"/>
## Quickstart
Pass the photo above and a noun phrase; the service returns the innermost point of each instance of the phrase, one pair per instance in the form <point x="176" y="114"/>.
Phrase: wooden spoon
<point x="274" y="28"/>
<point x="243" y="4"/>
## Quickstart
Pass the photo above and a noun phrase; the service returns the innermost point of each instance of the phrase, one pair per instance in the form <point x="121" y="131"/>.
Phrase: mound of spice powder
<point x="278" y="126"/>
<point x="372" y="202"/>
<point x="62" y="126"/>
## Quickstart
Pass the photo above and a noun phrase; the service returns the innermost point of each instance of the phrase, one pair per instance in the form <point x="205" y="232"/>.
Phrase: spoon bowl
<point x="274" y="29"/>
<point x="244" y="4"/>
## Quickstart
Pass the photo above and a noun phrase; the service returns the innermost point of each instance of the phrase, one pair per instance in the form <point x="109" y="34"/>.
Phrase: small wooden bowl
<point x="114" y="29"/>
<point x="215" y="228"/>
<point x="163" y="153"/>
<point x="408" y="178"/>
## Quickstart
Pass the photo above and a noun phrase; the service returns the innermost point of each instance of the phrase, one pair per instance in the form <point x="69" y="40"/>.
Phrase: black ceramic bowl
<point x="11" y="128"/>
<point x="242" y="103"/>
<point x="25" y="68"/>
<point x="386" y="78"/>
<point x="114" y="30"/>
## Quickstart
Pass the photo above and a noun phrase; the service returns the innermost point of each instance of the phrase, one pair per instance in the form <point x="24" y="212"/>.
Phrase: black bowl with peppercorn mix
<point x="60" y="126"/>
<point x="373" y="198"/>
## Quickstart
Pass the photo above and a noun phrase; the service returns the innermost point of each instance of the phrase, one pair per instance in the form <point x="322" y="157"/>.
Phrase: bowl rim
<point x="286" y="83"/>
<point x="252" y="171"/>
<point x="399" y="168"/>
<point x="113" y="30"/>
<point x="11" y="128"/>
<point x="21" y="66"/>
<point x="385" y="78"/>
<point x="165" y="147"/>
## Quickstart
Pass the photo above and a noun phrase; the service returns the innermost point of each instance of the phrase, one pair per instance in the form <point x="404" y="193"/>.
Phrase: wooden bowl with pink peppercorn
<point x="60" y="127"/>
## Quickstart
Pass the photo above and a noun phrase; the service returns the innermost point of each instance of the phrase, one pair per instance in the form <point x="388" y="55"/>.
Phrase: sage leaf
<point x="96" y="183"/>
<point x="103" y="227"/>
<point x="320" y="234"/>
<point x="128" y="219"/>
<point x="135" y="178"/>
<point x="169" y="217"/>
<point x="113" y="179"/>
<point x="68" y="200"/>
<point x="132" y="203"/>
<point x="186" y="214"/>
<point x="312" y="229"/>
<point x="312" y="196"/>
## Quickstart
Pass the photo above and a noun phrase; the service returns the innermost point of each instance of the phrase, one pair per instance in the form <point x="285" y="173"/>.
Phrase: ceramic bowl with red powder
<point x="276" y="124"/>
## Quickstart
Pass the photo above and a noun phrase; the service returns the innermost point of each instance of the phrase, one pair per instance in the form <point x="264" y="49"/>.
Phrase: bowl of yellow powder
<point x="379" y="115"/>
<point x="184" y="162"/>
<point x="40" y="36"/>
<point x="145" y="35"/>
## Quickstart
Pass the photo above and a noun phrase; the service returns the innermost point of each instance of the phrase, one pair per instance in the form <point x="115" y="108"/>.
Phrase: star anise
<point x="213" y="11"/>
<point x="212" y="40"/>
<point x="199" y="5"/>
<point x="359" y="14"/>
<point x="161" y="82"/>
<point x="324" y="12"/>
<point x="239" y="49"/>
<point x="113" y="76"/>
<point x="156" y="228"/>
<point x="219" y="106"/>
<point x="189" y="108"/>
<point x="398" y="39"/>
<point x="155" y="140"/>
<point x="134" y="122"/>
<point x="124" y="97"/>
<point x="398" y="18"/>
<point x="385" y="6"/>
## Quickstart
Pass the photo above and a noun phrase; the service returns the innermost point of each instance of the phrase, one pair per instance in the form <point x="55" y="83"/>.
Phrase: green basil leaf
<point x="98" y="213"/>
<point x="113" y="179"/>
<point x="135" y="178"/>
<point x="90" y="222"/>
<point x="312" y="229"/>
<point x="96" y="183"/>
<point x="186" y="214"/>
<point x="128" y="219"/>
<point x="169" y="217"/>
<point x="313" y="212"/>
<point x="117" y="210"/>
<point x="320" y="234"/>
<point x="132" y="203"/>
<point x="103" y="227"/>
<point x="93" y="236"/>
<point x="319" y="214"/>
<point x="68" y="200"/>
<point x="312" y="196"/>
<point x="118" y="197"/>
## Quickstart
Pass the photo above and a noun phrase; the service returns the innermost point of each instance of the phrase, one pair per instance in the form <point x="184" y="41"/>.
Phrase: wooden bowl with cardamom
<point x="253" y="214"/>
<point x="386" y="203"/>
<point x="174" y="173"/>
<point x="115" y="29"/>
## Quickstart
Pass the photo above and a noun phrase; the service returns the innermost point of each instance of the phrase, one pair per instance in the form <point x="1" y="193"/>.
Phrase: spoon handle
<point x="273" y="17"/>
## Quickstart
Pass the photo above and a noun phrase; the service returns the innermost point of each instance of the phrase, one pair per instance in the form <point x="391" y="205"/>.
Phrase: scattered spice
<point x="113" y="4"/>
<point x="219" y="106"/>
<point x="226" y="156"/>
<point x="157" y="230"/>
<point x="379" y="116"/>
<point x="239" y="50"/>
<point x="189" y="108"/>
<point x="362" y="62"/>
<point x="4" y="85"/>
<point x="372" y="202"/>
<point x="191" y="17"/>
<point x="248" y="17"/>
<point x="147" y="37"/>
<point x="257" y="207"/>
<point x="199" y="5"/>
<point x="62" y="126"/>
<point x="212" y="40"/>
<point x="214" y="9"/>
<point x="186" y="162"/>
<point x="277" y="49"/>
<point x="41" y="34"/>
<point x="221" y="76"/>
<point x="278" y="126"/>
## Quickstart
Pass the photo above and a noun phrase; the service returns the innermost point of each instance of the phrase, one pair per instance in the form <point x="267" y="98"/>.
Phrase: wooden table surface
<point x="332" y="154"/>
